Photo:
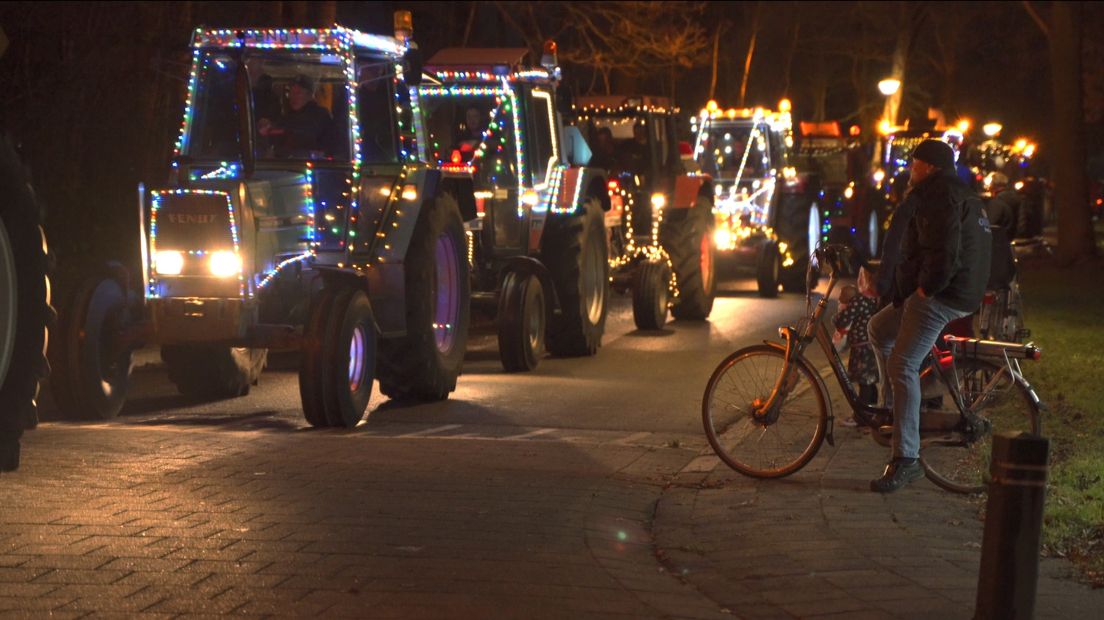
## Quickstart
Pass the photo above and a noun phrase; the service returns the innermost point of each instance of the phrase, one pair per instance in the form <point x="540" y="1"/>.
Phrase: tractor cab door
<point x="542" y="157"/>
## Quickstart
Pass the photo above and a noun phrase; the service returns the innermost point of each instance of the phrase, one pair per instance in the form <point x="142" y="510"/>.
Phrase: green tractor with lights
<point x="297" y="215"/>
<point x="535" y="214"/>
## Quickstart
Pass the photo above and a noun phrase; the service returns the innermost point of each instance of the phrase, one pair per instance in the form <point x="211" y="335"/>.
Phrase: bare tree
<point x="1076" y="240"/>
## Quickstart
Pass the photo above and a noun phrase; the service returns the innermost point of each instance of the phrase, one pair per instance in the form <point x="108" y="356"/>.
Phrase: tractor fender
<point x="527" y="265"/>
<point x="392" y="247"/>
<point x="688" y="188"/>
<point x="577" y="185"/>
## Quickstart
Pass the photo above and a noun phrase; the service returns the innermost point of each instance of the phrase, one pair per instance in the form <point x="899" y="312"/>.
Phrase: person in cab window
<point x="305" y="127"/>
<point x="471" y="131"/>
<point x="604" y="150"/>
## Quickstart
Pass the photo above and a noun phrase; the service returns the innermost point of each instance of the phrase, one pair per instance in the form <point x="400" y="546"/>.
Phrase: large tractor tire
<point x="90" y="370"/>
<point x="425" y="363"/>
<point x="206" y="371"/>
<point x="650" y="294"/>
<point x="339" y="358"/>
<point x="522" y="313"/>
<point x="575" y="253"/>
<point x="800" y="227"/>
<point x="687" y="237"/>
<point x="25" y="312"/>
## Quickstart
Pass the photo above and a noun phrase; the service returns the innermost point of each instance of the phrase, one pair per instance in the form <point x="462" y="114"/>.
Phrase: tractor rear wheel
<point x="425" y="363"/>
<point x="576" y="255"/>
<point x="688" y="240"/>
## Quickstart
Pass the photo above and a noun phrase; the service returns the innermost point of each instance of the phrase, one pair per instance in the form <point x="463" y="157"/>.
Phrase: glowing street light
<point x="992" y="130"/>
<point x="889" y="86"/>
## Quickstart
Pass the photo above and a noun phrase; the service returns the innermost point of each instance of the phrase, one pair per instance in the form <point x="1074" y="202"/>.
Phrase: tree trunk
<point x="716" y="59"/>
<point x="750" y="55"/>
<point x="1075" y="232"/>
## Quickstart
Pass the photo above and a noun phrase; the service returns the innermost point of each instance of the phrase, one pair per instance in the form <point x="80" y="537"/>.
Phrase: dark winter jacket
<point x="891" y="248"/>
<point x="947" y="247"/>
<point x="1004" y="211"/>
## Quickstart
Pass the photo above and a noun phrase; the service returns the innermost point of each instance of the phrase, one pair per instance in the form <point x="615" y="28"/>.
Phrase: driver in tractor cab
<point x="472" y="130"/>
<point x="305" y="127"/>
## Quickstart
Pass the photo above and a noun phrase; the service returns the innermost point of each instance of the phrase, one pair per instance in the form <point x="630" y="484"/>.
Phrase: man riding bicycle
<point x="941" y="276"/>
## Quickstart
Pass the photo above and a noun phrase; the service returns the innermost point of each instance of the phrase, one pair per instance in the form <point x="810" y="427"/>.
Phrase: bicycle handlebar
<point x="835" y="256"/>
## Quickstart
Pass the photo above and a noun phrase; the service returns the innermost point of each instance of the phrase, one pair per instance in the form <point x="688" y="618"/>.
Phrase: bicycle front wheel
<point x="745" y="441"/>
<point x="990" y="392"/>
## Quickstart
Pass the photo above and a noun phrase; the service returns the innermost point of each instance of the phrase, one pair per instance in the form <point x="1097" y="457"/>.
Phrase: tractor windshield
<point x="472" y="130"/>
<point x="828" y="157"/>
<point x="733" y="151"/>
<point x="301" y="108"/>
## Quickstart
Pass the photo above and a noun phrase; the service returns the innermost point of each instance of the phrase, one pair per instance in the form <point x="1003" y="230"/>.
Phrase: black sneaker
<point x="897" y="474"/>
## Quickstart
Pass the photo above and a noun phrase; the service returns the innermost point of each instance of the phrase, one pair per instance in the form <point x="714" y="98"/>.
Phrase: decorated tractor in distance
<point x="297" y="215"/>
<point x="661" y="237"/>
<point x="533" y="213"/>
<point x="767" y="214"/>
<point x="853" y="208"/>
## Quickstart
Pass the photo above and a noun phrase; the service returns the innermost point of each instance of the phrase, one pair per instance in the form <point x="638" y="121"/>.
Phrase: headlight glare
<point x="168" y="262"/>
<point x="224" y="264"/>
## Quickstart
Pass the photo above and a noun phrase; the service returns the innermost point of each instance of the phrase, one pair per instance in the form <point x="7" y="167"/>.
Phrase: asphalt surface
<point x="582" y="489"/>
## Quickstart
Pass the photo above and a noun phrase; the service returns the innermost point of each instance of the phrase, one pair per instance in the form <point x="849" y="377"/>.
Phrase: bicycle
<point x="766" y="409"/>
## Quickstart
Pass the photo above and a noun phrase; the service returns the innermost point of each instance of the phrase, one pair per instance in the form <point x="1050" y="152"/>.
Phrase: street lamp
<point x="889" y="86"/>
<point x="992" y="130"/>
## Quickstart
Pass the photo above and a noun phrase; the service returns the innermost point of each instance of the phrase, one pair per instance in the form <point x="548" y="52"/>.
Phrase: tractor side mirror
<point x="413" y="63"/>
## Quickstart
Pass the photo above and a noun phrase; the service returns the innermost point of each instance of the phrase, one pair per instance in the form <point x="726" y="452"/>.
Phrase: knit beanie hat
<point x="935" y="152"/>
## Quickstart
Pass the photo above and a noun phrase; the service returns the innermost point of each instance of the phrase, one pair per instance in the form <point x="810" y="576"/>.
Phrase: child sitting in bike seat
<point x="855" y="310"/>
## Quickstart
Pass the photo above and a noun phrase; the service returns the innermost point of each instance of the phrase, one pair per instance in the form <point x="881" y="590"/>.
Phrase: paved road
<point x="582" y="489"/>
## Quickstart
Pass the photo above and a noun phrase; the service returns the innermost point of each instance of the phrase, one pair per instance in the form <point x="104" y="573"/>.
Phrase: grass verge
<point x="1063" y="312"/>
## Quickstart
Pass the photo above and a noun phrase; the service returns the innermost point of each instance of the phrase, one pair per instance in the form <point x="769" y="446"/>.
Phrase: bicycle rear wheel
<point x="745" y="442"/>
<point x="990" y="392"/>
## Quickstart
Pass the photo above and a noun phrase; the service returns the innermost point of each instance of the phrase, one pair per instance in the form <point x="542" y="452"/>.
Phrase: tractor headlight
<point x="224" y="264"/>
<point x="659" y="201"/>
<point x="722" y="239"/>
<point x="168" y="262"/>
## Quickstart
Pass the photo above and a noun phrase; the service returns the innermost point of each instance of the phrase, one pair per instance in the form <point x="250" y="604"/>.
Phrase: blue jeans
<point x="901" y="338"/>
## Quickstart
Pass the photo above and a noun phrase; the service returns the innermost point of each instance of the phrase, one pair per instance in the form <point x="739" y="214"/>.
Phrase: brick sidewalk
<point x="126" y="518"/>
<point x="820" y="543"/>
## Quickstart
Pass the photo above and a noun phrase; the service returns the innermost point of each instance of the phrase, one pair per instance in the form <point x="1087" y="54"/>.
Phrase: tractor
<point x="297" y="215"/>
<point x="662" y="246"/>
<point x="534" y="214"/>
<point x="767" y="213"/>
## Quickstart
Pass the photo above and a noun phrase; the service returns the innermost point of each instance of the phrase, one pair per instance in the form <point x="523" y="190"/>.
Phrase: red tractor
<point x="661" y="238"/>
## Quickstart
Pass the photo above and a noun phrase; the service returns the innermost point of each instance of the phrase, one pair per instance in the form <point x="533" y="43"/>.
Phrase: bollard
<point x="1013" y="524"/>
